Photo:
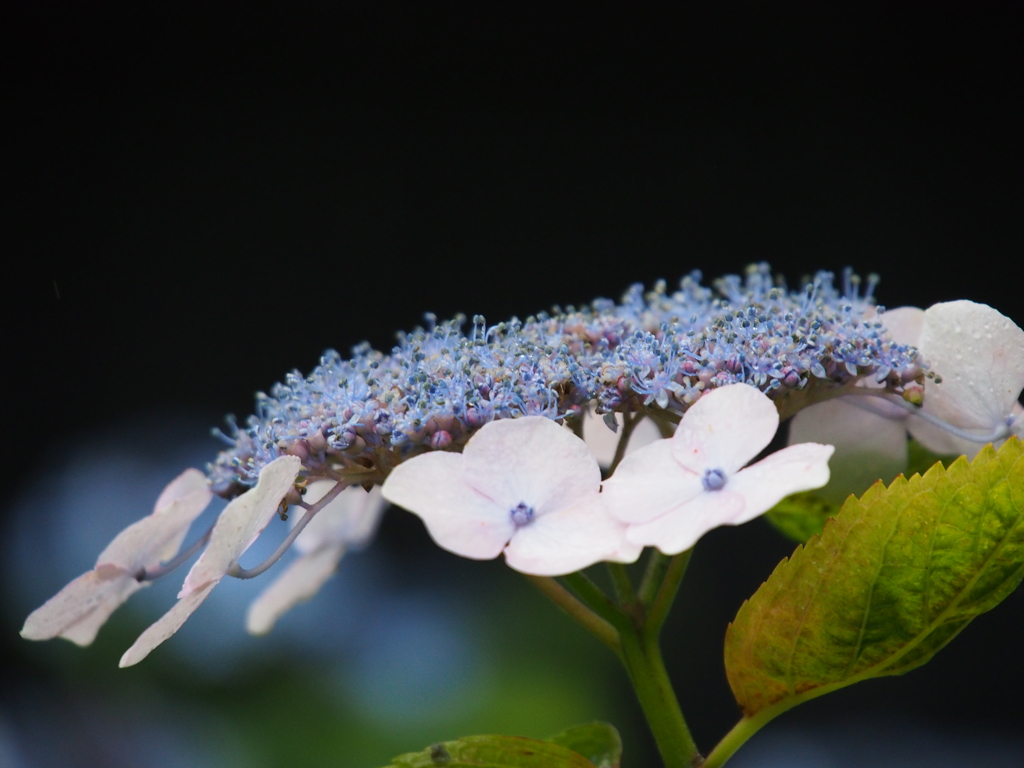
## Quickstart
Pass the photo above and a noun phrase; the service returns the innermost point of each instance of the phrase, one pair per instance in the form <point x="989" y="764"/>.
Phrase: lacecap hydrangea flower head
<point x="477" y="429"/>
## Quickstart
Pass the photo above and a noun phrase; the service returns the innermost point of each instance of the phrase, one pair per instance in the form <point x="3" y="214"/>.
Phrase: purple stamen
<point x="713" y="480"/>
<point x="521" y="513"/>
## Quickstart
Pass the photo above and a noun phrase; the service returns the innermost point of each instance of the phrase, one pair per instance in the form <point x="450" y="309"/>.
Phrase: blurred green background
<point x="208" y="196"/>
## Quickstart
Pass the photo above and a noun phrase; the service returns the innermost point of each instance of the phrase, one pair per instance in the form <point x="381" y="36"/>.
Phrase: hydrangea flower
<point x="502" y="395"/>
<point x="675" y="490"/>
<point x="348" y="521"/>
<point x="236" y="529"/>
<point x="78" y="611"/>
<point x="976" y="356"/>
<point x="525" y="487"/>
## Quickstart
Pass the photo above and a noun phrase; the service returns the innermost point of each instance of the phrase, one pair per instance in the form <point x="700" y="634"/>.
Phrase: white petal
<point x="459" y="518"/>
<point x="570" y="539"/>
<point x="350" y="519"/>
<point x="166" y="625"/>
<point x="84" y="631"/>
<point x="188" y="483"/>
<point x="88" y="600"/>
<point x="979" y="353"/>
<point x="868" y="447"/>
<point x="764" y="484"/>
<point x="648" y="483"/>
<point x="904" y="324"/>
<point x="680" y="528"/>
<point x="158" y="537"/>
<point x="242" y="521"/>
<point x="725" y="429"/>
<point x="603" y="442"/>
<point x="79" y="610"/>
<point x="300" y="581"/>
<point x="531" y="460"/>
<point x="747" y="494"/>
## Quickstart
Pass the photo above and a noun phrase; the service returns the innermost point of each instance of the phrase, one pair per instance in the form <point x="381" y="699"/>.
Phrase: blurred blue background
<point x="208" y="196"/>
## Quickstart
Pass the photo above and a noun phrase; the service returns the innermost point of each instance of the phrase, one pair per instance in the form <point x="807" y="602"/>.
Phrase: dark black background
<point x="198" y="198"/>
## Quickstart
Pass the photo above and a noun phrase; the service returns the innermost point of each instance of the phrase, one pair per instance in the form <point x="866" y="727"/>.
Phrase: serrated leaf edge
<point x="931" y="477"/>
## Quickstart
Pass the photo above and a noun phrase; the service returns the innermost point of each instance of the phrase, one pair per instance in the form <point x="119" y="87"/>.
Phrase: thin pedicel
<point x="152" y="574"/>
<point x="999" y="433"/>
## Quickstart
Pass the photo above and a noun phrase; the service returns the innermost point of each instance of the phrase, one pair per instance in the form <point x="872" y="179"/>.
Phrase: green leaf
<point x="598" y="742"/>
<point x="801" y="515"/>
<point x="892" y="579"/>
<point x="493" y="752"/>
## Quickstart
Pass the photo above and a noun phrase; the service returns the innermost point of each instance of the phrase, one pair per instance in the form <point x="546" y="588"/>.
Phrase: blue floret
<point x="654" y="351"/>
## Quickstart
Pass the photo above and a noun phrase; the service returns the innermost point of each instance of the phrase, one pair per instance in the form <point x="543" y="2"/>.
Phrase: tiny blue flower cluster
<point x="654" y="351"/>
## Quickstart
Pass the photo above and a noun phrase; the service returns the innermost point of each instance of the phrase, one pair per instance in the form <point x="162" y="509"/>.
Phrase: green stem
<point x="642" y="657"/>
<point x="597" y="600"/>
<point x="654" y="574"/>
<point x="735" y="739"/>
<point x="641" y="654"/>
<point x="590" y="621"/>
<point x="637" y="632"/>
<point x="623" y="586"/>
<point x="662" y="602"/>
<point x="750" y="725"/>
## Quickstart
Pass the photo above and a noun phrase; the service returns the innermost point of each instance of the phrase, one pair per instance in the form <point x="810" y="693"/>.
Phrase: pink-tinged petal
<point x="725" y="429"/>
<point x="84" y="631"/>
<point x="603" y="442"/>
<point x="570" y="539"/>
<point x="680" y="528"/>
<point x="797" y="468"/>
<point x="78" y="611"/>
<point x="648" y="483"/>
<point x="747" y="494"/>
<point x="158" y="537"/>
<point x="185" y="485"/>
<point x="166" y="625"/>
<point x="350" y="519"/>
<point x="87" y="601"/>
<point x="242" y="521"/>
<point x="868" y="447"/>
<point x="904" y="324"/>
<point x="459" y="518"/>
<point x="531" y="460"/>
<point x="979" y="353"/>
<point x="117" y="587"/>
<point x="299" y="582"/>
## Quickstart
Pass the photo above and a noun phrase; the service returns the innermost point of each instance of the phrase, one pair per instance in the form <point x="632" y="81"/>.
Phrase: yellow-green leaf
<point x="892" y="579"/>
<point x="600" y="743"/>
<point x="493" y="752"/>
